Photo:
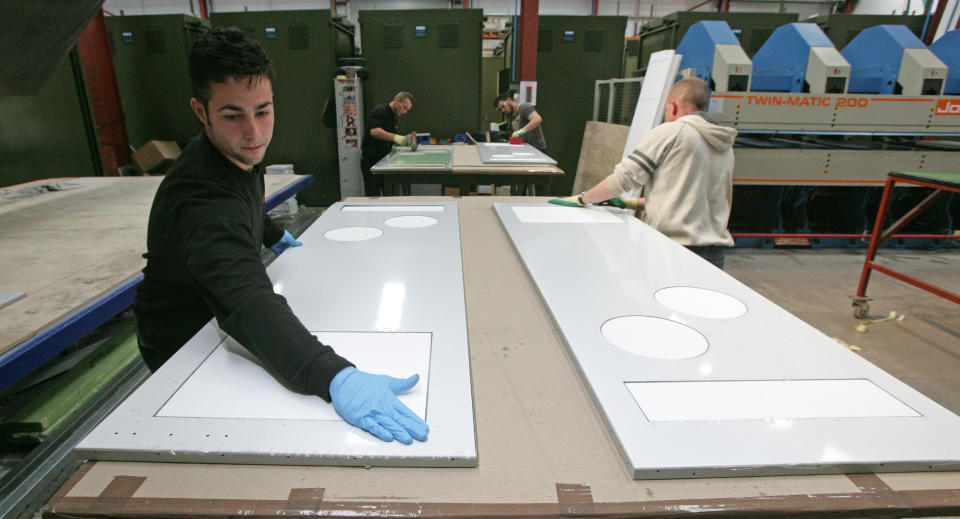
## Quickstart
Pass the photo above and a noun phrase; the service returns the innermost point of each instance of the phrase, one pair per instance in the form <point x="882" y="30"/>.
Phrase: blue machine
<point x="799" y="57"/>
<point x="947" y="48"/>
<point x="713" y="53"/>
<point x="889" y="59"/>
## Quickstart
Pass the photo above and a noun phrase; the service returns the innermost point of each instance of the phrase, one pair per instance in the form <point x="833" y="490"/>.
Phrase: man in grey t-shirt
<point x="524" y="120"/>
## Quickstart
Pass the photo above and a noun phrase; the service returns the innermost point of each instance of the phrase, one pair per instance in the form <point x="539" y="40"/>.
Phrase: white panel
<point x="556" y="214"/>
<point x="660" y="76"/>
<point x="8" y="297"/>
<point x="765" y="400"/>
<point x="244" y="389"/>
<point x="824" y="410"/>
<point x="504" y="153"/>
<point x="387" y="208"/>
<point x="408" y="282"/>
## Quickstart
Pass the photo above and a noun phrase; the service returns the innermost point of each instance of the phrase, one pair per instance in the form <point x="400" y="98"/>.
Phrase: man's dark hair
<point x="226" y="52"/>
<point x="501" y="97"/>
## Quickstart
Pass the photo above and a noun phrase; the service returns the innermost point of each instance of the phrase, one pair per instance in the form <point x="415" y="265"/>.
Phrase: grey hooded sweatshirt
<point x="686" y="169"/>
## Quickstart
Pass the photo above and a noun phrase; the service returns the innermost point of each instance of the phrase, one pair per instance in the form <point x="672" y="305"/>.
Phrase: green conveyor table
<point x="457" y="165"/>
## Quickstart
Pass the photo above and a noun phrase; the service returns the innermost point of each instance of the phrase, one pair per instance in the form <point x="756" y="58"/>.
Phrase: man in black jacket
<point x="383" y="131"/>
<point x="206" y="227"/>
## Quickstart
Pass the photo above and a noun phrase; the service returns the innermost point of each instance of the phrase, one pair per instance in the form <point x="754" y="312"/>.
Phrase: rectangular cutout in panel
<point x="545" y="40"/>
<point x="593" y="40"/>
<point x="557" y="214"/>
<point x="394" y="208"/>
<point x="392" y="35"/>
<point x="299" y="37"/>
<point x="232" y="383"/>
<point x="448" y="35"/>
<point x="765" y="400"/>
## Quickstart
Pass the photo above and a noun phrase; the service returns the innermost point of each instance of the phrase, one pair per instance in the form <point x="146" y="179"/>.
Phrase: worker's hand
<point x="622" y="203"/>
<point x="370" y="402"/>
<point x="400" y="140"/>
<point x="518" y="133"/>
<point x="572" y="201"/>
<point x="286" y="242"/>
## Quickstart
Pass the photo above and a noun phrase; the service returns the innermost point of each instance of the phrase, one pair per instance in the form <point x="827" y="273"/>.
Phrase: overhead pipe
<point x="926" y="19"/>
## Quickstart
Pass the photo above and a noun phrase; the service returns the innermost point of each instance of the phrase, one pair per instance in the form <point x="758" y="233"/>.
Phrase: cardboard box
<point x="156" y="156"/>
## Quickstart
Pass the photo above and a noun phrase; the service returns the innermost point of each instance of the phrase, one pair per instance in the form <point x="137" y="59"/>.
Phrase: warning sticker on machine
<point x="948" y="107"/>
<point x="715" y="106"/>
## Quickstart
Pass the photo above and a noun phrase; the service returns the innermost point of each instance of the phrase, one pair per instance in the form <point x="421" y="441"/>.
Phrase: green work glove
<point x="400" y="140"/>
<point x="621" y="202"/>
<point x="518" y="133"/>
<point x="571" y="201"/>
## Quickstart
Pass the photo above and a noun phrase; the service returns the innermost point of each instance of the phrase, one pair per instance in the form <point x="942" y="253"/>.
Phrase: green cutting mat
<point x="431" y="159"/>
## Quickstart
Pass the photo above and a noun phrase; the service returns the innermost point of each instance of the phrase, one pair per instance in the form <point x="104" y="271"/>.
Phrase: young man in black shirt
<point x="206" y="227"/>
<point x="383" y="131"/>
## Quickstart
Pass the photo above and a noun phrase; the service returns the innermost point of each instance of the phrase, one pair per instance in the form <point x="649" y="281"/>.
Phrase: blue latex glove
<point x="370" y="402"/>
<point x="287" y="241"/>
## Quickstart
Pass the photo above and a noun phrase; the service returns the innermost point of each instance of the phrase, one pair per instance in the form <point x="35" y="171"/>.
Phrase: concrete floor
<point x="923" y="350"/>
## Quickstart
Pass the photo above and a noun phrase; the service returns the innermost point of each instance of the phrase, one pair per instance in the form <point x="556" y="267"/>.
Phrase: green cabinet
<point x="50" y="134"/>
<point x="573" y="52"/>
<point x="150" y="56"/>
<point x="435" y="55"/>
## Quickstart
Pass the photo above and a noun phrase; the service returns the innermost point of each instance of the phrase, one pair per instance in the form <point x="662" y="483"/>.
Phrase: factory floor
<point x="922" y="350"/>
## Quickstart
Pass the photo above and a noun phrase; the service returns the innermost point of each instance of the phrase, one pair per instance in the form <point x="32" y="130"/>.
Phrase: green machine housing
<point x="150" y="59"/>
<point x="303" y="46"/>
<point x="51" y="133"/>
<point x="572" y="53"/>
<point x="752" y="29"/>
<point x="432" y="53"/>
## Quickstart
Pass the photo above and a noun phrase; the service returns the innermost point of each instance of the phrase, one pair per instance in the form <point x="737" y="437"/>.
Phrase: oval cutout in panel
<point x="353" y="233"/>
<point x="411" y="221"/>
<point x="654" y="337"/>
<point x="701" y="302"/>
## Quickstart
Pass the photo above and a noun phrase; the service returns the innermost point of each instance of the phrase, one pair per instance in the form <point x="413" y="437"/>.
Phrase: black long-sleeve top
<point x="203" y="260"/>
<point x="373" y="149"/>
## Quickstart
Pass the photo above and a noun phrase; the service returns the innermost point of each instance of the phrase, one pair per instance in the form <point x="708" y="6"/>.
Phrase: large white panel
<point x="555" y="214"/>
<point x="393" y="304"/>
<point x="660" y="76"/>
<point x="769" y="394"/>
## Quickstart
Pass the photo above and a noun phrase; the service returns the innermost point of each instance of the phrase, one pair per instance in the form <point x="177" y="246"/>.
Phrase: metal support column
<point x="529" y="22"/>
<point x="93" y="46"/>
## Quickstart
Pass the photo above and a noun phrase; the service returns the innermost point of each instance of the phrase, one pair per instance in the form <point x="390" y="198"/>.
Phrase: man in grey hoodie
<point x="685" y="166"/>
